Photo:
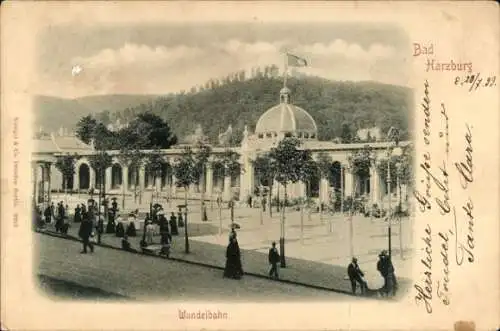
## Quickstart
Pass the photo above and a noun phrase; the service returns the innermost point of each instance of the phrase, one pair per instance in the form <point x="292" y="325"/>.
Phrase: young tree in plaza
<point x="155" y="163"/>
<point x="360" y="163"/>
<point x="133" y="160"/>
<point x="309" y="171"/>
<point x="100" y="162"/>
<point x="186" y="171"/>
<point x="401" y="167"/>
<point x="66" y="165"/>
<point x="326" y="170"/>
<point x="289" y="164"/>
<point x="229" y="162"/>
<point x="201" y="157"/>
<point x="264" y="168"/>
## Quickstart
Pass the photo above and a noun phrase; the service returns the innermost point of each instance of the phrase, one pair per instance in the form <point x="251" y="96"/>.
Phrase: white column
<point x="91" y="178"/>
<point x="276" y="188"/>
<point x="323" y="190"/>
<point x="348" y="182"/>
<point x="375" y="185"/>
<point x="226" y="195"/>
<point x="301" y="189"/>
<point x="173" y="187"/>
<point x="142" y="178"/>
<point x="34" y="168"/>
<point x="108" y="179"/>
<point x="48" y="178"/>
<point x="158" y="183"/>
<point x="124" y="179"/>
<point x="209" y="178"/>
<point x="76" y="178"/>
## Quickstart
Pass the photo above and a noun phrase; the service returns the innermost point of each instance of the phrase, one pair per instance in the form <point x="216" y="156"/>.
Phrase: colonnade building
<point x="280" y="121"/>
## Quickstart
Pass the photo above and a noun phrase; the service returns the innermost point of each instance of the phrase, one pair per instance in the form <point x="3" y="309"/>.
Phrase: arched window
<point x="269" y="135"/>
<point x="261" y="135"/>
<point x="306" y="135"/>
<point x="288" y="134"/>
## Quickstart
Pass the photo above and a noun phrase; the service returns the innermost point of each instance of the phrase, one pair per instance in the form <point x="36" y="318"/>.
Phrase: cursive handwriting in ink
<point x="426" y="105"/>
<point x="460" y="249"/>
<point x="442" y="185"/>
<point x="424" y="294"/>
<point x="444" y="204"/>
<point x="465" y="169"/>
<point x="442" y="287"/>
<point x="446" y="133"/>
<point x="424" y="204"/>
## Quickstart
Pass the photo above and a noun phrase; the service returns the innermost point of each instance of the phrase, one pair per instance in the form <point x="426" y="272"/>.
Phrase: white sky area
<point x="125" y="65"/>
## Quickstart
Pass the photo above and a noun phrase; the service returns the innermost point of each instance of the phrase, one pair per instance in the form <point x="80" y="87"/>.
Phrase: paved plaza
<point x="116" y="275"/>
<point x="317" y="252"/>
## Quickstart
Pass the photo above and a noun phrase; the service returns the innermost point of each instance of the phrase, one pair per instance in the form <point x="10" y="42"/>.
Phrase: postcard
<point x="250" y="165"/>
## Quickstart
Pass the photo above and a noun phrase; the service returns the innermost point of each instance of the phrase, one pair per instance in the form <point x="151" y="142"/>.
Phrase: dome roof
<point x="286" y="118"/>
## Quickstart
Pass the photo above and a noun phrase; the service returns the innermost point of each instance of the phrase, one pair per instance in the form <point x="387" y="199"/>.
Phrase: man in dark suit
<point x="356" y="276"/>
<point x="274" y="258"/>
<point x="84" y="233"/>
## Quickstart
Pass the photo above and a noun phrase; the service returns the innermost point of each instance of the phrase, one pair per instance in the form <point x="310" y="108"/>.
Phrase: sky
<point x="75" y="61"/>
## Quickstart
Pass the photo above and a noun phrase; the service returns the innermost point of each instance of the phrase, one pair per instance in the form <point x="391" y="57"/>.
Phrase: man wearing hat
<point x="386" y="269"/>
<point x="356" y="276"/>
<point x="274" y="258"/>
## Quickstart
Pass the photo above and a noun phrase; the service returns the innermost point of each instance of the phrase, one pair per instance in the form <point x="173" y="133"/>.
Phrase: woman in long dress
<point x="233" y="268"/>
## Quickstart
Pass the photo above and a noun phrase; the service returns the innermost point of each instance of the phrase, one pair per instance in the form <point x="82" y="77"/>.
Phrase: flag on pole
<point x="295" y="61"/>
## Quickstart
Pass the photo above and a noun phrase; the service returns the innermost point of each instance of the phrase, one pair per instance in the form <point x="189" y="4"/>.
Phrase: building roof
<point x="286" y="118"/>
<point x="60" y="144"/>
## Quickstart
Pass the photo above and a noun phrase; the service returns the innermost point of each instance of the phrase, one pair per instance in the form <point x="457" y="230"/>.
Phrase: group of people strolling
<point x="57" y="215"/>
<point x="384" y="267"/>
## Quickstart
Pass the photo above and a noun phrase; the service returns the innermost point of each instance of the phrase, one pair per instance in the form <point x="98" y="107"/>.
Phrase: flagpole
<point x="285" y="73"/>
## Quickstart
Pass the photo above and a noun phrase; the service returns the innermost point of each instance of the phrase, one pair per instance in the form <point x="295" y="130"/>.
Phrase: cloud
<point x="138" y="68"/>
<point x="132" y="54"/>
<point x="351" y="51"/>
<point x="236" y="46"/>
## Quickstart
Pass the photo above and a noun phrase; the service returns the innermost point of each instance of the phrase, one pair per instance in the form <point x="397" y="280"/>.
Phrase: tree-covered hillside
<point x="238" y="102"/>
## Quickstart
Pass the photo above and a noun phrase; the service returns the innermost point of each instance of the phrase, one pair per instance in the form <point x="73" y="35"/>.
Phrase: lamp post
<point x="282" y="232"/>
<point x="389" y="229"/>
<point x="399" y="209"/>
<point x="393" y="136"/>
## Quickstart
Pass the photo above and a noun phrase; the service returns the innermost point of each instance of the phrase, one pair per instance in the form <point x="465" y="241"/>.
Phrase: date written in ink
<point x="475" y="81"/>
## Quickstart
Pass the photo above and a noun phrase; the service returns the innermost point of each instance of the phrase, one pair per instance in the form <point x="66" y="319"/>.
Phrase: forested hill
<point x="242" y="102"/>
<point x="238" y="102"/>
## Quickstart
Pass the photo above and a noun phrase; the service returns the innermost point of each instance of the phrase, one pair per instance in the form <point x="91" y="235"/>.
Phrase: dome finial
<point x="285" y="95"/>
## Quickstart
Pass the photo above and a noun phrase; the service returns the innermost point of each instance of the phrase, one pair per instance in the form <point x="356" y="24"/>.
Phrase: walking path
<point x="318" y="260"/>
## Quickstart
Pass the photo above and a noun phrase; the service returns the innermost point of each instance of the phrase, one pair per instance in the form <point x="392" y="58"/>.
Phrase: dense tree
<point x="347" y="134"/>
<point x="85" y="128"/>
<point x="155" y="131"/>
